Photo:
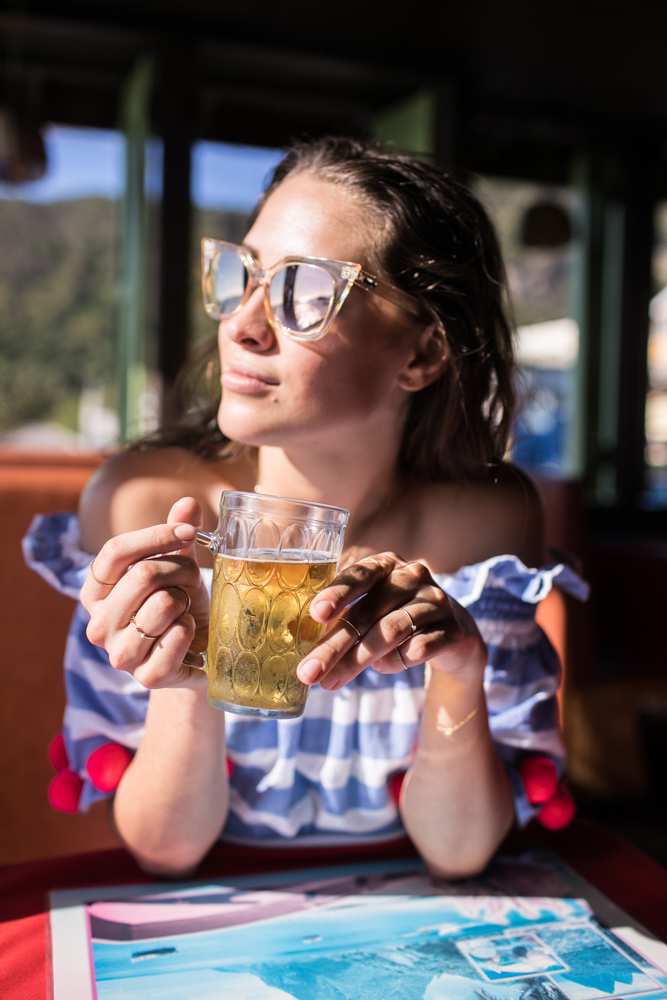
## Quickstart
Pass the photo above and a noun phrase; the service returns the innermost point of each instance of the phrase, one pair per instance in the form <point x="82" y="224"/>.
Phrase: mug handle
<point x="207" y="539"/>
<point x="199" y="660"/>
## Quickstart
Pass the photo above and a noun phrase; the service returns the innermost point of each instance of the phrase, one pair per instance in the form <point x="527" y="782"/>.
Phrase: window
<point x="58" y="267"/>
<point x="535" y="232"/>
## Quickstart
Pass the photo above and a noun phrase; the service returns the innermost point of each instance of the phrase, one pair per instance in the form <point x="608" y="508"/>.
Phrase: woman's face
<point x="277" y="391"/>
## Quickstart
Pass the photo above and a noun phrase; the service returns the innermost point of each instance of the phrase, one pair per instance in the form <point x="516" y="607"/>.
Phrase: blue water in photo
<point x="384" y="944"/>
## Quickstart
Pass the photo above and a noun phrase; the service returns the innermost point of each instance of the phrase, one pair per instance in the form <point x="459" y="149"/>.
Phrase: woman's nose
<point x="250" y="326"/>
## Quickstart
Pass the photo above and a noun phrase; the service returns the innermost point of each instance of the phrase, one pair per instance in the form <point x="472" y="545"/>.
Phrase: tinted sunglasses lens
<point x="301" y="296"/>
<point x="229" y="278"/>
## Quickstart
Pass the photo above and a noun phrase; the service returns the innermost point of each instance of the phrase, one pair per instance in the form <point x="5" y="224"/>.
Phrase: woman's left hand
<point x="401" y="618"/>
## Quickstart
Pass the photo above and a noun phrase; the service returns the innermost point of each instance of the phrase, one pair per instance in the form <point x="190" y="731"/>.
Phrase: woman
<point x="400" y="411"/>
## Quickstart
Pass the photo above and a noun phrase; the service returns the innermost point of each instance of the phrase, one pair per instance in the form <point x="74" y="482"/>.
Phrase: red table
<point x="615" y="867"/>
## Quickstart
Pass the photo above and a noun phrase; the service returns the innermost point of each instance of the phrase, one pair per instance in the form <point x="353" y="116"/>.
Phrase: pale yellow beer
<point x="260" y="629"/>
<point x="272" y="556"/>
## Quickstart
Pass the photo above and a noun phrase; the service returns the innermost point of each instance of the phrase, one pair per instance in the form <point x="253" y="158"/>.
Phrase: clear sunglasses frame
<point x="345" y="276"/>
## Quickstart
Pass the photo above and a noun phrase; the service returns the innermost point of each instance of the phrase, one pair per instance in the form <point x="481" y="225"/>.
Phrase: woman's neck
<point x="359" y="475"/>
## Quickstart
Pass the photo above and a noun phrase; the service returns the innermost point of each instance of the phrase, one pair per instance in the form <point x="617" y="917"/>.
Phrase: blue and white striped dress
<point x="324" y="778"/>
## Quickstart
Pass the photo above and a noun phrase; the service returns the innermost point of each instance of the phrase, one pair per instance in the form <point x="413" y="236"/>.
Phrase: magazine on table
<point x="527" y="929"/>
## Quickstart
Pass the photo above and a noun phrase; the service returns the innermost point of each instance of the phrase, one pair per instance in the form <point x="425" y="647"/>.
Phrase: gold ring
<point x="187" y="598"/>
<point x="400" y="656"/>
<point x="133" y="623"/>
<point x="370" y="559"/>
<point x="412" y="624"/>
<point x="101" y="582"/>
<point x="354" y="627"/>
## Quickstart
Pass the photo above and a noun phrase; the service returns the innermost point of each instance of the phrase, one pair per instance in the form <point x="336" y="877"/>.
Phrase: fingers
<point x="391" y="616"/>
<point x="417" y="650"/>
<point x="406" y="584"/>
<point x="350" y="584"/>
<point x="341" y="656"/>
<point x="143" y="579"/>
<point x="374" y="621"/>
<point x="119" y="553"/>
<point x="147" y="602"/>
<point x="156" y="660"/>
<point x="150" y="599"/>
<point x="163" y="666"/>
<point x="160" y="610"/>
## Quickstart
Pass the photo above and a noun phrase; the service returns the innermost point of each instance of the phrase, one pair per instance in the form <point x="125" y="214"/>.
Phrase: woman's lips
<point x="246" y="381"/>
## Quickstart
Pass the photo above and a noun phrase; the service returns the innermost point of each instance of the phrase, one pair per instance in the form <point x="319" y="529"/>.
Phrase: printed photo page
<point x="382" y="931"/>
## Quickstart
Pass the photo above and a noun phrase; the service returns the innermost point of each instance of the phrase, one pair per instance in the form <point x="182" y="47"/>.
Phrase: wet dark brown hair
<point x="435" y="241"/>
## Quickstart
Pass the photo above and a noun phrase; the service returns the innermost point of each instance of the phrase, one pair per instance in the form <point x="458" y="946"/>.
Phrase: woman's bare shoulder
<point x="473" y="521"/>
<point x="136" y="489"/>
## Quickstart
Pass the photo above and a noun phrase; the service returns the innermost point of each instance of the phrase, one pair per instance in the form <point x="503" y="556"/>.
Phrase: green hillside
<point x="58" y="279"/>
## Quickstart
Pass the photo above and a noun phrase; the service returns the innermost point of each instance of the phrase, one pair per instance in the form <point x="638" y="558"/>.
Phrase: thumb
<point x="187" y="511"/>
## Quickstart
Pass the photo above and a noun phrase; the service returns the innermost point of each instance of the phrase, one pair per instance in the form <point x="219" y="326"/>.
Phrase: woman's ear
<point x="429" y="359"/>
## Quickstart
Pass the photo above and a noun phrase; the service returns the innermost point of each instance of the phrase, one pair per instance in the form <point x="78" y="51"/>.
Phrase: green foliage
<point x="58" y="286"/>
<point x="57" y="304"/>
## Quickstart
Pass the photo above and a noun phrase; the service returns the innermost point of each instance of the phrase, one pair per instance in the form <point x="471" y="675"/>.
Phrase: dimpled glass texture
<point x="267" y="571"/>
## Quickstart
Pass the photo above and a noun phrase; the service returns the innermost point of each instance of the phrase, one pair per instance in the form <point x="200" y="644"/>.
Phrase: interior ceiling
<point x="532" y="80"/>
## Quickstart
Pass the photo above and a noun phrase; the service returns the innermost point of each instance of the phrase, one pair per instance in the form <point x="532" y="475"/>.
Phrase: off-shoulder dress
<point x="326" y="777"/>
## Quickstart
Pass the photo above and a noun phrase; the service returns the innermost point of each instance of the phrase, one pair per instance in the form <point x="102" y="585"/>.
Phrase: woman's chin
<point x="250" y="432"/>
<point x="269" y="427"/>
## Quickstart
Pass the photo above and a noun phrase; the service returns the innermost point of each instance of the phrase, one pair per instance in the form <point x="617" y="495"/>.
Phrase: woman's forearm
<point x="457" y="800"/>
<point x="172" y="801"/>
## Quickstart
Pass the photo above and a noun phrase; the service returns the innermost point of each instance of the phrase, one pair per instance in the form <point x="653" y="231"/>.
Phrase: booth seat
<point x="35" y="620"/>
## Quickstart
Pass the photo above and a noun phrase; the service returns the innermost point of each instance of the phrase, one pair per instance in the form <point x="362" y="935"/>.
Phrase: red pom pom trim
<point x="107" y="765"/>
<point x="395" y="785"/>
<point x="540" y="778"/>
<point x="65" y="791"/>
<point x="559" y="810"/>
<point x="57" y="753"/>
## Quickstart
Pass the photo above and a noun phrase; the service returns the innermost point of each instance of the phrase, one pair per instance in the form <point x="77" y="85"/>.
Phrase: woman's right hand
<point x="143" y="572"/>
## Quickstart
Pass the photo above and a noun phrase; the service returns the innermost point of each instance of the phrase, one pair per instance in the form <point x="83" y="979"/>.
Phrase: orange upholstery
<point x="552" y="617"/>
<point x="35" y="620"/>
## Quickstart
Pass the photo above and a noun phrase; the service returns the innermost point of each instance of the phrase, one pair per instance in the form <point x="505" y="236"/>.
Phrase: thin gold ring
<point x="101" y="582"/>
<point x="354" y="627"/>
<point x="370" y="559"/>
<point x="133" y="623"/>
<point x="187" y="598"/>
<point x="412" y="624"/>
<point x="400" y="656"/>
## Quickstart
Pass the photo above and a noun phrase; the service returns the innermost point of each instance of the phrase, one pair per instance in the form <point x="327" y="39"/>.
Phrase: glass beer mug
<point x="272" y="556"/>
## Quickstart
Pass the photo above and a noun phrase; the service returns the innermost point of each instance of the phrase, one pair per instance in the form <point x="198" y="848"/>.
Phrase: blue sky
<point x="81" y="163"/>
<point x="88" y="162"/>
<point x="232" y="177"/>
